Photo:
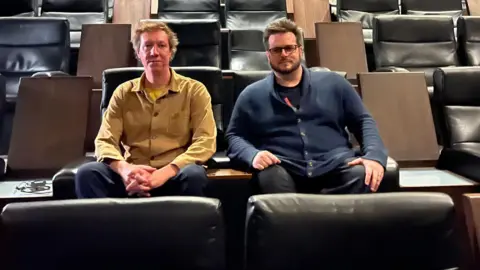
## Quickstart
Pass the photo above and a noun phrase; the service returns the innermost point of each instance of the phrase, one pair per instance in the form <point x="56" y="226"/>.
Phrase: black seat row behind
<point x="283" y="232"/>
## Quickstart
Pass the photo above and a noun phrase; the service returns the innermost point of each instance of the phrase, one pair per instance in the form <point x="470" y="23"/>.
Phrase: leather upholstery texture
<point x="363" y="11"/>
<point x="78" y="12"/>
<point x="376" y="231"/>
<point x="18" y="8"/>
<point x="456" y="93"/>
<point x="431" y="7"/>
<point x="166" y="233"/>
<point x="468" y="31"/>
<point x="198" y="9"/>
<point x="199" y="42"/>
<point x="416" y="43"/>
<point x="31" y="45"/>
<point x="246" y="21"/>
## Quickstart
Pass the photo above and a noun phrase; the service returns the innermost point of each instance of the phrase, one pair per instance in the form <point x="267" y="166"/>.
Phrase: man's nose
<point x="155" y="50"/>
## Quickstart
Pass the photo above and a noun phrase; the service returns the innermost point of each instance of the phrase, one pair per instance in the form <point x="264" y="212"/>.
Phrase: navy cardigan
<point x="310" y="141"/>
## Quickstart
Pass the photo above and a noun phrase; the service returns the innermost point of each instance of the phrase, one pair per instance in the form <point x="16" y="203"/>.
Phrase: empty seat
<point x="373" y="231"/>
<point x="153" y="233"/>
<point x="416" y="43"/>
<point x="254" y="14"/>
<point x="469" y="40"/>
<point x="246" y="21"/>
<point x="363" y="11"/>
<point x="432" y="7"/>
<point x="199" y="42"/>
<point x="78" y="12"/>
<point x="181" y="10"/>
<point x="28" y="46"/>
<point x="456" y="94"/>
<point x="20" y="8"/>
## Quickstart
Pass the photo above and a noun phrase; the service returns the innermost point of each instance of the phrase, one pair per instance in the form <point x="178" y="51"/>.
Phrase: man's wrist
<point x="174" y="168"/>
<point x="117" y="165"/>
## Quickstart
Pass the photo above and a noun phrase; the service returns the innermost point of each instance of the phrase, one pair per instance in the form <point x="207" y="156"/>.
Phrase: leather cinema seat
<point x="42" y="45"/>
<point x="150" y="233"/>
<point x="372" y="231"/>
<point x="456" y="94"/>
<point x="364" y="11"/>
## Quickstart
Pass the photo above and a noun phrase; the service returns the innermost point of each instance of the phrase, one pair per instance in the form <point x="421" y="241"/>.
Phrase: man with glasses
<point x="157" y="130"/>
<point x="290" y="127"/>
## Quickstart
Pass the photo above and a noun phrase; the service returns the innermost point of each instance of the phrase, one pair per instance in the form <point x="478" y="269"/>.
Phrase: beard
<point x="277" y="68"/>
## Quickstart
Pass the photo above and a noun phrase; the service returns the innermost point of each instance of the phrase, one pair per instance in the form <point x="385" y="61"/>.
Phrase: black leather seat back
<point x="247" y="21"/>
<point x="432" y="7"/>
<point x="199" y="42"/>
<point x="242" y="79"/>
<point x="78" y="12"/>
<point x="363" y="11"/>
<point x="247" y="51"/>
<point x="153" y="233"/>
<point x="186" y="10"/>
<point x="18" y="8"/>
<point x="374" y="231"/>
<point x="211" y="77"/>
<point x="469" y="40"/>
<point x="417" y="43"/>
<point x="31" y="45"/>
<point x="254" y="14"/>
<point x="456" y="93"/>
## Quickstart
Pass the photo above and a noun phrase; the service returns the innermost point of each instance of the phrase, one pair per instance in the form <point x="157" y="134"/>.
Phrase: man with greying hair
<point x="290" y="126"/>
<point x="162" y="122"/>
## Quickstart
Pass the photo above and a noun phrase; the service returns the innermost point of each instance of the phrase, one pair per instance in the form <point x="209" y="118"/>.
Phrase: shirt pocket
<point x="179" y="124"/>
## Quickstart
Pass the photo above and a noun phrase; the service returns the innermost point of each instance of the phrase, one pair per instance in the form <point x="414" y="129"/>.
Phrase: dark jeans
<point x="343" y="180"/>
<point x="98" y="180"/>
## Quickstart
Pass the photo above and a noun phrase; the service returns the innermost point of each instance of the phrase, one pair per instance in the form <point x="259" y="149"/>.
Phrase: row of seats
<point x="423" y="44"/>
<point x="283" y="232"/>
<point x="78" y="12"/>
<point x="234" y="14"/>
<point x="364" y="11"/>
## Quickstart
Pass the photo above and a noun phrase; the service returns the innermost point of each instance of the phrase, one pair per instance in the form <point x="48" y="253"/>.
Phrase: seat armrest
<point x="391" y="69"/>
<point x="63" y="181"/>
<point x="460" y="162"/>
<point x="227" y="73"/>
<point x="219" y="161"/>
<point x="391" y="177"/>
<point x="50" y="74"/>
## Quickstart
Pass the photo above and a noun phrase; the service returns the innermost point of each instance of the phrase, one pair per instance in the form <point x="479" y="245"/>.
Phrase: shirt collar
<point x="139" y="83"/>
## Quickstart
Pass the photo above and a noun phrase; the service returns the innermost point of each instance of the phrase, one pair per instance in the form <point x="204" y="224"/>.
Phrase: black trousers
<point x="342" y="180"/>
<point x="98" y="180"/>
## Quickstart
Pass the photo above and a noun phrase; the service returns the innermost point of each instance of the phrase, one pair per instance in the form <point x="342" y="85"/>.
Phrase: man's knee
<point x="87" y="174"/>
<point x="355" y="180"/>
<point x="194" y="178"/>
<point x="274" y="179"/>
<point x="273" y="172"/>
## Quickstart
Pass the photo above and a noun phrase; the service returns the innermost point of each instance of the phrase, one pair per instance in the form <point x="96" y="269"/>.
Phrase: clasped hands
<point x="141" y="179"/>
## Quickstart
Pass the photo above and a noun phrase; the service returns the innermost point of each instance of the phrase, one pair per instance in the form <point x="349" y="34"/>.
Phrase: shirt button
<point x="310" y="164"/>
<point x="310" y="174"/>
<point x="154" y="137"/>
<point x="306" y="153"/>
<point x="152" y="158"/>
<point x="299" y="120"/>
<point x="155" y="114"/>
<point x="302" y="133"/>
